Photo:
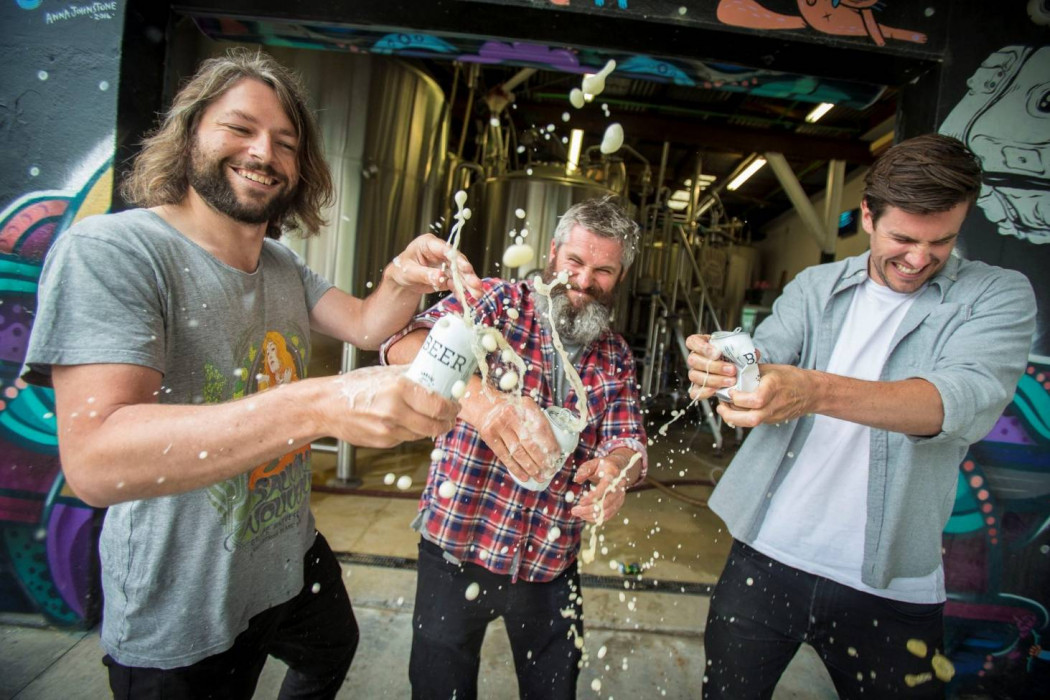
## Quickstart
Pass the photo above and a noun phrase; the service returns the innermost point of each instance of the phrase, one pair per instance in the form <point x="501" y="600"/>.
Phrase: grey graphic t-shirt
<point x="183" y="574"/>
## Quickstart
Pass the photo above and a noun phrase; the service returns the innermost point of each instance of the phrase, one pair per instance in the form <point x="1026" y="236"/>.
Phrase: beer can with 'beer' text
<point x="447" y="357"/>
<point x="738" y="348"/>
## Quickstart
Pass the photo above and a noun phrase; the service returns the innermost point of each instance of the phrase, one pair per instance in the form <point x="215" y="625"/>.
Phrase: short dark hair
<point x="602" y="217"/>
<point x="923" y="175"/>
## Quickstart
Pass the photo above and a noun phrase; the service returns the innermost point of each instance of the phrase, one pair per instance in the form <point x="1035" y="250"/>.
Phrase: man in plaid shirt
<point x="518" y="545"/>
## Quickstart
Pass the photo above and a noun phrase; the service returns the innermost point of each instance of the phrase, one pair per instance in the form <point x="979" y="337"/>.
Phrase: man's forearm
<point x="150" y="450"/>
<point x="406" y="348"/>
<point x="388" y="309"/>
<point x="911" y="406"/>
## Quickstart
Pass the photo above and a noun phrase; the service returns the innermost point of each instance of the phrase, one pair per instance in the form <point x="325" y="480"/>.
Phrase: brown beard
<point x="210" y="180"/>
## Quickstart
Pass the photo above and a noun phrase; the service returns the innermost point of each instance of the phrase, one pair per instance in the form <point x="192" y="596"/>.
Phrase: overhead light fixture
<point x="750" y="170"/>
<point x="678" y="200"/>
<point x="575" y="144"/>
<point x="818" y="112"/>
<point x="705" y="181"/>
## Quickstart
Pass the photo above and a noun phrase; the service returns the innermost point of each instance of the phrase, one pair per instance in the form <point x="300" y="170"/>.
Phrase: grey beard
<point x="575" y="326"/>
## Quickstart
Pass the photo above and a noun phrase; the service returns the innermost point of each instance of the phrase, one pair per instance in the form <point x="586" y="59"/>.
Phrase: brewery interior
<point x="738" y="182"/>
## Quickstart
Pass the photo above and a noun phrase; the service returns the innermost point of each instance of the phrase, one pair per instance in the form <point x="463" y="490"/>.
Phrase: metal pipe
<point x="650" y="348"/>
<point x="472" y="79"/>
<point x="517" y="79"/>
<point x="832" y="207"/>
<point x="345" y="452"/>
<point x="806" y="211"/>
<point x="663" y="165"/>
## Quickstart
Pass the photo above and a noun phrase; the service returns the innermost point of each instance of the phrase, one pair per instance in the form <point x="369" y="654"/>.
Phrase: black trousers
<point x="448" y="629"/>
<point x="314" y="633"/>
<point x="762" y="610"/>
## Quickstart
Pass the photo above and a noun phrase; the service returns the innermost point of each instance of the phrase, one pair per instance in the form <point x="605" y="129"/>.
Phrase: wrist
<point x="312" y="398"/>
<point x="820" y="392"/>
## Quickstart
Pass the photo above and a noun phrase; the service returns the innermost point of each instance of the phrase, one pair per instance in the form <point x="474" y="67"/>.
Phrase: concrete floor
<point x="651" y="627"/>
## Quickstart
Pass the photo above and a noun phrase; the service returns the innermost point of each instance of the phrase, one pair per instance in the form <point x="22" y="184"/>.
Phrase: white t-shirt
<point x="817" y="516"/>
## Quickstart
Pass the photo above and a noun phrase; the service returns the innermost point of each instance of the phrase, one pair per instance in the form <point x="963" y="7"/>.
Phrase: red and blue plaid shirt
<point x="491" y="521"/>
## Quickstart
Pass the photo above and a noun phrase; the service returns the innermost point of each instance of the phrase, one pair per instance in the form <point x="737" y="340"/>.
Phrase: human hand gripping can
<point x="561" y="420"/>
<point x="447" y="357"/>
<point x="738" y="348"/>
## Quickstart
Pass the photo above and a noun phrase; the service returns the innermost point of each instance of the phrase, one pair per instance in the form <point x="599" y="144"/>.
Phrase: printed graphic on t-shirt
<point x="269" y="499"/>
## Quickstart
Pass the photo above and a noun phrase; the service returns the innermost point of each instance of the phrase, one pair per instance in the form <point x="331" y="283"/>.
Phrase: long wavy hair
<point x="159" y="174"/>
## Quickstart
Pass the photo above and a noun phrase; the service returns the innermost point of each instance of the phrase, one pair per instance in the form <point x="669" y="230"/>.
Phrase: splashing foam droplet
<point x="613" y="139"/>
<point x="508" y="381"/>
<point x="447" y="490"/>
<point x="518" y="254"/>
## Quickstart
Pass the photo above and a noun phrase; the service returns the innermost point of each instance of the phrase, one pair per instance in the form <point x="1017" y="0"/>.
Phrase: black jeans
<point x="314" y="633"/>
<point x="762" y="610"/>
<point x="448" y="629"/>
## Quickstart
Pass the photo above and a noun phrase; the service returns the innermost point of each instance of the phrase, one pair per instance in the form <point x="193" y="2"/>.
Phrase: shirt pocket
<point x="923" y="346"/>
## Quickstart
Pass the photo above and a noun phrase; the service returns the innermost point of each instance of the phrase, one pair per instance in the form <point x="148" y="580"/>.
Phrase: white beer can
<point x="561" y="421"/>
<point x="447" y="357"/>
<point x="738" y="348"/>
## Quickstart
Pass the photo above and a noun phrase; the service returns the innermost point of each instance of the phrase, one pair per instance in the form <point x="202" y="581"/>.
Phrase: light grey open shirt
<point x="968" y="333"/>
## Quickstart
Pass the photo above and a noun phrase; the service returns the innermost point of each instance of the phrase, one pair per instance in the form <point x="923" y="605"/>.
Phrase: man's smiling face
<point x="907" y="250"/>
<point x="244" y="157"/>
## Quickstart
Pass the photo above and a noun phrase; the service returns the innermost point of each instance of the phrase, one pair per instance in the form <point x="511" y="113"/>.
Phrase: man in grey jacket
<point x="878" y="371"/>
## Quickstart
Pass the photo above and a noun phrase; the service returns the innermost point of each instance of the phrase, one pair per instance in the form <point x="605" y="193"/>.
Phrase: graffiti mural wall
<point x="57" y="114"/>
<point x="996" y="98"/>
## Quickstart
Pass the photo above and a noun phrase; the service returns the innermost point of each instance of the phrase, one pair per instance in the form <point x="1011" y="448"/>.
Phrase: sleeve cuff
<point x="632" y="444"/>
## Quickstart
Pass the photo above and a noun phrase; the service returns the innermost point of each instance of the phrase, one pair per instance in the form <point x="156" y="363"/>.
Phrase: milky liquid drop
<point x="613" y="138"/>
<point x="520" y="253"/>
<point x="489" y="342"/>
<point x="576" y="98"/>
<point x="472" y="591"/>
<point x="594" y="84"/>
<point x="508" y="381"/>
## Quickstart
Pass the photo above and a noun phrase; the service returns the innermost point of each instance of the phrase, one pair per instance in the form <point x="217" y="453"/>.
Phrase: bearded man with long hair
<point x="151" y="326"/>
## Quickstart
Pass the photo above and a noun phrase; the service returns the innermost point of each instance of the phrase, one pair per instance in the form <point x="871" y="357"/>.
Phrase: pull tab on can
<point x="738" y="348"/>
<point x="447" y="357"/>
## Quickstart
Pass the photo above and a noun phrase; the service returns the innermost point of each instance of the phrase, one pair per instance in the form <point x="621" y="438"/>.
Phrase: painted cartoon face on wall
<point x="1004" y="118"/>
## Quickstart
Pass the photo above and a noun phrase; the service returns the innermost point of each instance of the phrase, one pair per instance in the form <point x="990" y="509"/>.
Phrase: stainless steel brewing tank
<point x="406" y="139"/>
<point x="544" y="195"/>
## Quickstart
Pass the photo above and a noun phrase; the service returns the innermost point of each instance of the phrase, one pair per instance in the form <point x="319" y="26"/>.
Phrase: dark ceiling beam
<point x="610" y="31"/>
<point x="719" y="137"/>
